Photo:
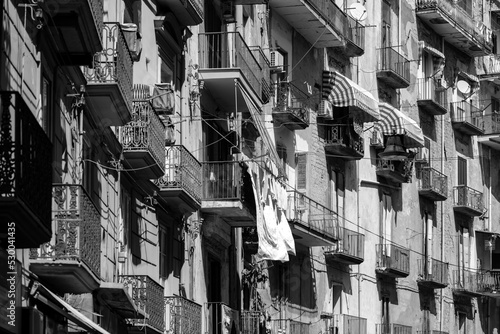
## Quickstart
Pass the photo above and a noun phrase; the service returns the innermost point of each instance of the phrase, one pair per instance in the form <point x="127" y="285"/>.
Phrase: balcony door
<point x="463" y="254"/>
<point x="462" y="171"/>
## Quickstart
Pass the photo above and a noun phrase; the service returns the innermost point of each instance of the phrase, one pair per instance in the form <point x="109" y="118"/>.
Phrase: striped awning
<point x="339" y="91"/>
<point x="394" y="122"/>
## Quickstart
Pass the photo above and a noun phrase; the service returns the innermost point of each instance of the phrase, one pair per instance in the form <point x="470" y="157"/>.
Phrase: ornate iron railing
<point x="490" y="63"/>
<point x="198" y="6"/>
<point x="350" y="243"/>
<point x="114" y="63"/>
<point x="391" y="60"/>
<point x="25" y="157"/>
<point x="403" y="168"/>
<point x="489" y="282"/>
<point x="433" y="270"/>
<point x="466" y="196"/>
<point x="427" y="91"/>
<point x="145" y="132"/>
<point x="250" y="322"/>
<point x="460" y="12"/>
<point x="183" y="316"/>
<point x="432" y="179"/>
<point x="355" y="32"/>
<point x="76" y="227"/>
<point x="467" y="112"/>
<point x="97" y="9"/>
<point x="393" y="257"/>
<point x="312" y="215"/>
<point x="331" y="13"/>
<point x="393" y="329"/>
<point x="431" y="332"/>
<point x="182" y="171"/>
<point x="147" y="296"/>
<point x="221" y="50"/>
<point x="466" y="281"/>
<point x="292" y="100"/>
<point x="344" y="134"/>
<point x="221" y="180"/>
<point x="347" y="324"/>
<point x="220" y="318"/>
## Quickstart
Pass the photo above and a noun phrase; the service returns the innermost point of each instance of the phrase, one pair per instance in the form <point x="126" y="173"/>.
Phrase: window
<point x="132" y="13"/>
<point x="462" y="171"/>
<point x="337" y="191"/>
<point x="177" y="251"/>
<point x="282" y="155"/>
<point x="165" y="234"/>
<point x="44" y="113"/>
<point x="166" y="69"/>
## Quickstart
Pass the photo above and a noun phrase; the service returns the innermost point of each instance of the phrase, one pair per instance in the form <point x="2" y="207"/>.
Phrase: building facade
<point x="250" y="166"/>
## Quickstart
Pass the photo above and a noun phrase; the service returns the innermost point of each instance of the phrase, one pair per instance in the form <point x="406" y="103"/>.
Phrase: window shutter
<point x="301" y="170"/>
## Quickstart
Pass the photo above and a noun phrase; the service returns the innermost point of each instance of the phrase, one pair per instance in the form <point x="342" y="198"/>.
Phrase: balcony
<point x="220" y="319"/>
<point x="432" y="100"/>
<point x="431" y="332"/>
<point x="228" y="192"/>
<point x="466" y="282"/>
<point x="25" y="173"/>
<point x="432" y="184"/>
<point x="143" y="141"/>
<point x="117" y="297"/>
<point x="225" y="58"/>
<point x="432" y="273"/>
<point x="183" y="316"/>
<point x="395" y="171"/>
<point x="250" y="322"/>
<point x="76" y="28"/>
<point x="147" y="296"/>
<point x="392" y="260"/>
<point x="454" y="21"/>
<point x="71" y="261"/>
<point x="343" y="141"/>
<point x="347" y="324"/>
<point x="489" y="284"/>
<point x="350" y="248"/>
<point x="188" y="12"/>
<point x="468" y="201"/>
<point x="181" y="185"/>
<point x="393" y="68"/>
<point x="109" y="79"/>
<point x="393" y="329"/>
<point x="311" y="223"/>
<point x="491" y="136"/>
<point x="489" y="67"/>
<point x="321" y="22"/>
<point x="292" y="107"/>
<point x="355" y="38"/>
<point x="467" y="118"/>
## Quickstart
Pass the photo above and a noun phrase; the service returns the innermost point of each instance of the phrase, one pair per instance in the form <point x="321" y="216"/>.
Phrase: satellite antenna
<point x="357" y="11"/>
<point x="464" y="87"/>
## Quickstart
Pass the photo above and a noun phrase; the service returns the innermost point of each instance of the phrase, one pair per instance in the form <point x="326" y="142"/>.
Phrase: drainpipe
<point x="442" y="209"/>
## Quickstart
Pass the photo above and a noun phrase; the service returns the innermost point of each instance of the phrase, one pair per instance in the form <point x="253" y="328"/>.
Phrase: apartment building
<point x="250" y="166"/>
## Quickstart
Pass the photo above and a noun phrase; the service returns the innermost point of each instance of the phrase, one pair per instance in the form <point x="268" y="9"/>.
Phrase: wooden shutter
<point x="301" y="171"/>
<point x="462" y="171"/>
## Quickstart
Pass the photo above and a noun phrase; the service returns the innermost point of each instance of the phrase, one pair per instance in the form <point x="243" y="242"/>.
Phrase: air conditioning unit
<point x="277" y="62"/>
<point x="32" y="321"/>
<point x="227" y="8"/>
<point x="422" y="155"/>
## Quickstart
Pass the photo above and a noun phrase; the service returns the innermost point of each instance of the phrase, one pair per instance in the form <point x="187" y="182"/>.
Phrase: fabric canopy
<point x="339" y="91"/>
<point x="394" y="122"/>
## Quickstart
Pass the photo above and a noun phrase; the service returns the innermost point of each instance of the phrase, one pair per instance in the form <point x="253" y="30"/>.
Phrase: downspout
<point x="441" y="295"/>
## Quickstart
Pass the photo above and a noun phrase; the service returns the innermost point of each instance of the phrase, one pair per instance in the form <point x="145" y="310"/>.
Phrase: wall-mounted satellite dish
<point x="357" y="11"/>
<point x="463" y="87"/>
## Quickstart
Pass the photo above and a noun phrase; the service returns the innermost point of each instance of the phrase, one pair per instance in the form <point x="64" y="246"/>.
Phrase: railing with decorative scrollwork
<point x="97" y="9"/>
<point x="114" y="63"/>
<point x="25" y="151"/>
<point x="312" y="215"/>
<point x="76" y="228"/>
<point x="182" y="171"/>
<point x="183" y="316"/>
<point x="432" y="179"/>
<point x="468" y="197"/>
<point x="145" y="132"/>
<point x="404" y="168"/>
<point x="489" y="282"/>
<point x="345" y="135"/>
<point x="391" y="256"/>
<point x="292" y="100"/>
<point x="147" y="296"/>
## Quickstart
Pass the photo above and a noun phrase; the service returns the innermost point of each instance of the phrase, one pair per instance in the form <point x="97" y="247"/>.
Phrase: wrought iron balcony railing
<point x="144" y="134"/>
<point x="183" y="316"/>
<point x="25" y="171"/>
<point x="147" y="295"/>
<point x="393" y="260"/>
<point x="77" y="229"/>
<point x="393" y="329"/>
<point x="113" y="65"/>
<point x="432" y="272"/>
<point x="432" y="182"/>
<point x="292" y="106"/>
<point x="356" y="36"/>
<point x="431" y="332"/>
<point x="182" y="172"/>
<point x="468" y="198"/>
<point x="220" y="319"/>
<point x="331" y="13"/>
<point x="312" y="216"/>
<point x="223" y="50"/>
<point x="397" y="171"/>
<point x="489" y="283"/>
<point x="393" y="67"/>
<point x="221" y="181"/>
<point x="350" y="247"/>
<point x="432" y="99"/>
<point x="250" y="322"/>
<point x="460" y="14"/>
<point x="466" y="112"/>
<point x="466" y="282"/>
<point x="347" y="324"/>
<point x="343" y="140"/>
